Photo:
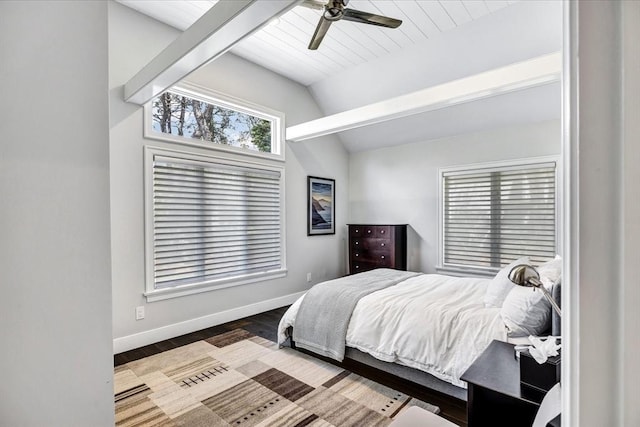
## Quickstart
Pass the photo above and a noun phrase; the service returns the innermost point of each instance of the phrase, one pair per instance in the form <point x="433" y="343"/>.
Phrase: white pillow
<point x="525" y="312"/>
<point x="551" y="272"/>
<point x="500" y="285"/>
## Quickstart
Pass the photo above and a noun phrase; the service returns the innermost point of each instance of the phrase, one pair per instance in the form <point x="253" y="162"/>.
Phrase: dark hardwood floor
<point x="266" y="325"/>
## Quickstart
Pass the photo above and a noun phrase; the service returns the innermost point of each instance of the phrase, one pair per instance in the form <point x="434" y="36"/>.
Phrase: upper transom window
<point x="194" y="115"/>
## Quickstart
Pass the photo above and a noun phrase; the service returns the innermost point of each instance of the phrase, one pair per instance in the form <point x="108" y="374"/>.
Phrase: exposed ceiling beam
<point x="534" y="72"/>
<point x="224" y="25"/>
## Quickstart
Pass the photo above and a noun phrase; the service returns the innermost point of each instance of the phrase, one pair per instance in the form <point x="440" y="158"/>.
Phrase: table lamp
<point x="534" y="376"/>
<point x="525" y="275"/>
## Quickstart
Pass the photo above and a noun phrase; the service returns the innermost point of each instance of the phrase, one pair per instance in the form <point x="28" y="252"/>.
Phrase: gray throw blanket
<point x="323" y="318"/>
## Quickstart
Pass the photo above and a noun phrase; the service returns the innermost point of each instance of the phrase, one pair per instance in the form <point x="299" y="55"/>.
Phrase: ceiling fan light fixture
<point x="335" y="10"/>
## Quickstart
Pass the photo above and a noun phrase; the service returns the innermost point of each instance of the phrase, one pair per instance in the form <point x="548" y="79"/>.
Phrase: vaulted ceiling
<point x="438" y="41"/>
<point x="281" y="46"/>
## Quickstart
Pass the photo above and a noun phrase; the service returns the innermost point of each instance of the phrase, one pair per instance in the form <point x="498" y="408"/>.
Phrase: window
<point x="494" y="214"/>
<point x="189" y="114"/>
<point x="211" y="223"/>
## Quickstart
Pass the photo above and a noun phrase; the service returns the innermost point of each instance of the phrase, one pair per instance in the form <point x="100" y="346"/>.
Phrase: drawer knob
<point x="382" y="257"/>
<point x="357" y="230"/>
<point x="357" y="267"/>
<point x="381" y="231"/>
<point x="357" y="243"/>
<point x="357" y="254"/>
<point x="369" y="231"/>
<point x="381" y="244"/>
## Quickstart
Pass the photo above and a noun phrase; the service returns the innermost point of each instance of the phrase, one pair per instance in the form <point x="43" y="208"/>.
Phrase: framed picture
<point x="321" y="207"/>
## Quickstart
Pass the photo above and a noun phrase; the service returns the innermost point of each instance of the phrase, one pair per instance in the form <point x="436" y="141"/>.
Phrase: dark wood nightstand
<point x="494" y="394"/>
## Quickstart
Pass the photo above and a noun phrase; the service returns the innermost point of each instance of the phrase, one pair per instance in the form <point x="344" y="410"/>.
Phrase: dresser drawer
<point x="371" y="244"/>
<point x="371" y="256"/>
<point x="359" y="266"/>
<point x="375" y="231"/>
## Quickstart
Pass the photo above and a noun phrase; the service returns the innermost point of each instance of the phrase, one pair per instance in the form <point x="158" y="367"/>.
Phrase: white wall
<point x="134" y="39"/>
<point x="57" y="368"/>
<point x="399" y="185"/>
<point x="630" y="296"/>
<point x="602" y="320"/>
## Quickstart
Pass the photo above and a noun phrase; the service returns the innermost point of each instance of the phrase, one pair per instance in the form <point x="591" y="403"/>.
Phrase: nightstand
<point x="494" y="394"/>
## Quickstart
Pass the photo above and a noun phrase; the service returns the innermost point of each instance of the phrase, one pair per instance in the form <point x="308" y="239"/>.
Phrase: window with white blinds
<point x="211" y="221"/>
<point x="493" y="216"/>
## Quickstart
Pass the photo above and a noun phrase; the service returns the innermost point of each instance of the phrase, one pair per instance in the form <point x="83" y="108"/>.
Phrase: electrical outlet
<point x="308" y="277"/>
<point x="140" y="312"/>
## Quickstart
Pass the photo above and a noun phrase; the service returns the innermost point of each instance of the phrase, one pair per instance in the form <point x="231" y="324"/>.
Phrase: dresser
<point x="377" y="246"/>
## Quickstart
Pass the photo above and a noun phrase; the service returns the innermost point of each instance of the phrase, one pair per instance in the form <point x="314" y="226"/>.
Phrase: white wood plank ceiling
<point x="281" y="46"/>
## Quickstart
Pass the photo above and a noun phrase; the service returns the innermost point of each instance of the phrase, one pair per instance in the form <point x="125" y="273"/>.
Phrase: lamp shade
<point x="526" y="275"/>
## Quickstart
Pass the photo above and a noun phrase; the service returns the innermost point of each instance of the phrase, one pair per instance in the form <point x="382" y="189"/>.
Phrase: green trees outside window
<point x="183" y="116"/>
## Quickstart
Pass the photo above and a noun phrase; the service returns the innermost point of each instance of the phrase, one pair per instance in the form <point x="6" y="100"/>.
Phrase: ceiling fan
<point x="335" y="10"/>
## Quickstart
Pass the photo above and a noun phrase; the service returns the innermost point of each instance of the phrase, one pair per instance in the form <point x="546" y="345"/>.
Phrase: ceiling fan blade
<point x="318" y="35"/>
<point x="370" y="18"/>
<point x="314" y="4"/>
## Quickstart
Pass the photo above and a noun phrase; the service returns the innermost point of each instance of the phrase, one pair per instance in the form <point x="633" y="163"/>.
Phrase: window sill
<point x="180" y="291"/>
<point x="213" y="147"/>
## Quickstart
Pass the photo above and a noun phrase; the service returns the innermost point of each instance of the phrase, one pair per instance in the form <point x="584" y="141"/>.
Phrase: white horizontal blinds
<point x="213" y="221"/>
<point x="492" y="217"/>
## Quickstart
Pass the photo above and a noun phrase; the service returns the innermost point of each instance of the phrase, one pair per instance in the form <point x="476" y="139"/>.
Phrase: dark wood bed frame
<point x="368" y="366"/>
<point x="395" y="375"/>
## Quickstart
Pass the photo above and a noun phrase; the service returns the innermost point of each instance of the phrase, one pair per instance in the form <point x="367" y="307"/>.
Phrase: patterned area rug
<point x="239" y="379"/>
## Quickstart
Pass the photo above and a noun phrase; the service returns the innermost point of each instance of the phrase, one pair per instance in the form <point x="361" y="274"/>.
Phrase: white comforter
<point x="430" y="322"/>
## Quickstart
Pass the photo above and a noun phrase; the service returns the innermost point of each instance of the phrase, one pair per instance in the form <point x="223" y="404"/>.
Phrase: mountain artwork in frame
<point x="321" y="207"/>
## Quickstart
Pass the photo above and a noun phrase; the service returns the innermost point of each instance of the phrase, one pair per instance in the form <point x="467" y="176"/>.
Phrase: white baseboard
<point x="141" y="339"/>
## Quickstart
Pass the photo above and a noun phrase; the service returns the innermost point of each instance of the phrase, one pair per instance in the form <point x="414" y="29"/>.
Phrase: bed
<point x="426" y="328"/>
